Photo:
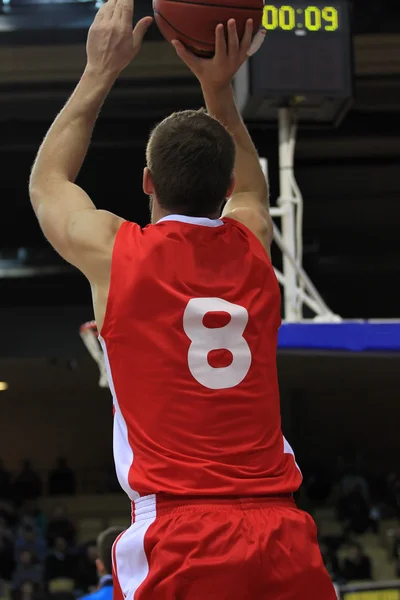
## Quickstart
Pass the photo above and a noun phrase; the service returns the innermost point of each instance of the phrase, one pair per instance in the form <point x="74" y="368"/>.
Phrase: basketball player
<point x="188" y="311"/>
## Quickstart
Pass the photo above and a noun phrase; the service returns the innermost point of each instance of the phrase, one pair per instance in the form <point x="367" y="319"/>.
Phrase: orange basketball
<point x="193" y="23"/>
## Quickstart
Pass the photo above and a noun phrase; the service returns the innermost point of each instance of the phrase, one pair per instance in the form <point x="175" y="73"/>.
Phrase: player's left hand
<point x="111" y="43"/>
<point x="218" y="72"/>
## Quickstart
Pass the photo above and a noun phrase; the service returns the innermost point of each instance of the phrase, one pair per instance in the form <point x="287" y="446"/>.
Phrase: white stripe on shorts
<point x="131" y="566"/>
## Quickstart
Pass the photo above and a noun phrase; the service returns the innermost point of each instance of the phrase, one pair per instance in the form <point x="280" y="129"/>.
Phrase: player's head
<point x="190" y="161"/>
<point x="105" y="542"/>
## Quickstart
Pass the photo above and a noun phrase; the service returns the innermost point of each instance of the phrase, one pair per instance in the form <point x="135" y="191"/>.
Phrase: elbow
<point x="40" y="188"/>
<point x="38" y="193"/>
<point x="35" y="194"/>
<point x="40" y="182"/>
<point x="35" y="187"/>
<point x="33" y="180"/>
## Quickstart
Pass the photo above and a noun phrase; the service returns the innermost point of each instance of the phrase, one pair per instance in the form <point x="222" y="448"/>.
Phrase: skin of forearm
<point x="64" y="148"/>
<point x="248" y="173"/>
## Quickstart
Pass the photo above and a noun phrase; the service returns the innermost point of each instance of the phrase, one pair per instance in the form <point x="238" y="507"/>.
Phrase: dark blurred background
<point x="340" y="412"/>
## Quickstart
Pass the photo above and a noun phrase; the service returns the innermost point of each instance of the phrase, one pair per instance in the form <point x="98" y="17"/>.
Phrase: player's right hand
<point x="217" y="72"/>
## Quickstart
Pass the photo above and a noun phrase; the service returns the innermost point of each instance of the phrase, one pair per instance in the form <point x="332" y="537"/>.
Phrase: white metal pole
<point x="288" y="225"/>
<point x="300" y="273"/>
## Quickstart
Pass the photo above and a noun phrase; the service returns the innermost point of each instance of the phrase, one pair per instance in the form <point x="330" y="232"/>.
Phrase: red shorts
<point x="219" y="549"/>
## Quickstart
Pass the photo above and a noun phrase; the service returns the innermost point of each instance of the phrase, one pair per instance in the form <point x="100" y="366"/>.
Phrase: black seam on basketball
<point x="181" y="32"/>
<point x="215" y="5"/>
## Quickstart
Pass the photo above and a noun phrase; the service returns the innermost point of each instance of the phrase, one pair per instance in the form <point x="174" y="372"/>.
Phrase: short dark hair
<point x="191" y="158"/>
<point x="105" y="542"/>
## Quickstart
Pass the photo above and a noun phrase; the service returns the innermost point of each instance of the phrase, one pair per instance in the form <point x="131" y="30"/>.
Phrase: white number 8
<point x="204" y="339"/>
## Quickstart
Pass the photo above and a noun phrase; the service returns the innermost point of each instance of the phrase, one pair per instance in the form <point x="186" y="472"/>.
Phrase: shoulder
<point x="93" y="227"/>
<point x="257" y="221"/>
<point x="132" y="236"/>
<point x="256" y="225"/>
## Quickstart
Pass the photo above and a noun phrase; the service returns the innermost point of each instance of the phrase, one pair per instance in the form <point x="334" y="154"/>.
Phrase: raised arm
<point x="81" y="234"/>
<point x="249" y="202"/>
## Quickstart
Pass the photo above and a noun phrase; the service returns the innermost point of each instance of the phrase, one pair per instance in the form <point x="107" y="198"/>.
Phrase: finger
<point x="220" y="42"/>
<point x="103" y="12"/>
<point x="233" y="38"/>
<point x="188" y="57"/>
<point x="140" y="30"/>
<point x="127" y="5"/>
<point x="109" y="7"/>
<point x="99" y="16"/>
<point x="123" y="12"/>
<point x="247" y="37"/>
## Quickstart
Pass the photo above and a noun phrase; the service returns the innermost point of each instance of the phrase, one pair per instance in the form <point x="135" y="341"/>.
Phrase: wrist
<point x="99" y="77"/>
<point x="217" y="90"/>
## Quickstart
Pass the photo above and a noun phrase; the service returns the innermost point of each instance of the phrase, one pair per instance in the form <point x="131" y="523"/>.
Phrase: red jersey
<point x="190" y="337"/>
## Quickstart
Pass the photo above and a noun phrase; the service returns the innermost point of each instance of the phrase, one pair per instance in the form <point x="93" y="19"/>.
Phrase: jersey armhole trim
<point x="110" y="295"/>
<point x="252" y="236"/>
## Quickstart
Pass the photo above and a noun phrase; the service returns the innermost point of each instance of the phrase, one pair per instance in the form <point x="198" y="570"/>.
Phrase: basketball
<point x="194" y="23"/>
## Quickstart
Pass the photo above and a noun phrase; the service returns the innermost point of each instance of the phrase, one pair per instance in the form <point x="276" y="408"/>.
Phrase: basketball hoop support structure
<point x="298" y="290"/>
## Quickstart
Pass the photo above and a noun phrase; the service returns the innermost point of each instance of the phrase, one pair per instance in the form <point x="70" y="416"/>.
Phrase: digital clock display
<point x="307" y="18"/>
<point x="307" y="50"/>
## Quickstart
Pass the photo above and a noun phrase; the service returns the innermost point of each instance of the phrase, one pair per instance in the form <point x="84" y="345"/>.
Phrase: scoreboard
<point x="305" y="62"/>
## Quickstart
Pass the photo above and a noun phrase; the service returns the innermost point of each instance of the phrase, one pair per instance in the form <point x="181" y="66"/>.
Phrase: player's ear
<point x="100" y="567"/>
<point x="148" y="187"/>
<point x="229" y="191"/>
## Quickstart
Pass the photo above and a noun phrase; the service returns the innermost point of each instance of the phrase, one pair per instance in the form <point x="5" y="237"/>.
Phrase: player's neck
<point x="159" y="214"/>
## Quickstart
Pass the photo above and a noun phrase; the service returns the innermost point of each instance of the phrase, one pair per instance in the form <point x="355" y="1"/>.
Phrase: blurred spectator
<point x="105" y="543"/>
<point x="60" y="563"/>
<point x="8" y="514"/>
<point x="7" y="561"/>
<point x="331" y="561"/>
<point x="62" y="479"/>
<point x="393" y="493"/>
<point x="354" y="509"/>
<point x="28" y="539"/>
<point x="5" y="530"/>
<point x="34" y="516"/>
<point x="60" y="526"/>
<point x="5" y="482"/>
<point x="357" y="566"/>
<point x="318" y="483"/>
<point x="352" y="480"/>
<point x="27" y="484"/>
<point x="375" y="518"/>
<point x="28" y="591"/>
<point x="27" y="570"/>
<point x="86" y="573"/>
